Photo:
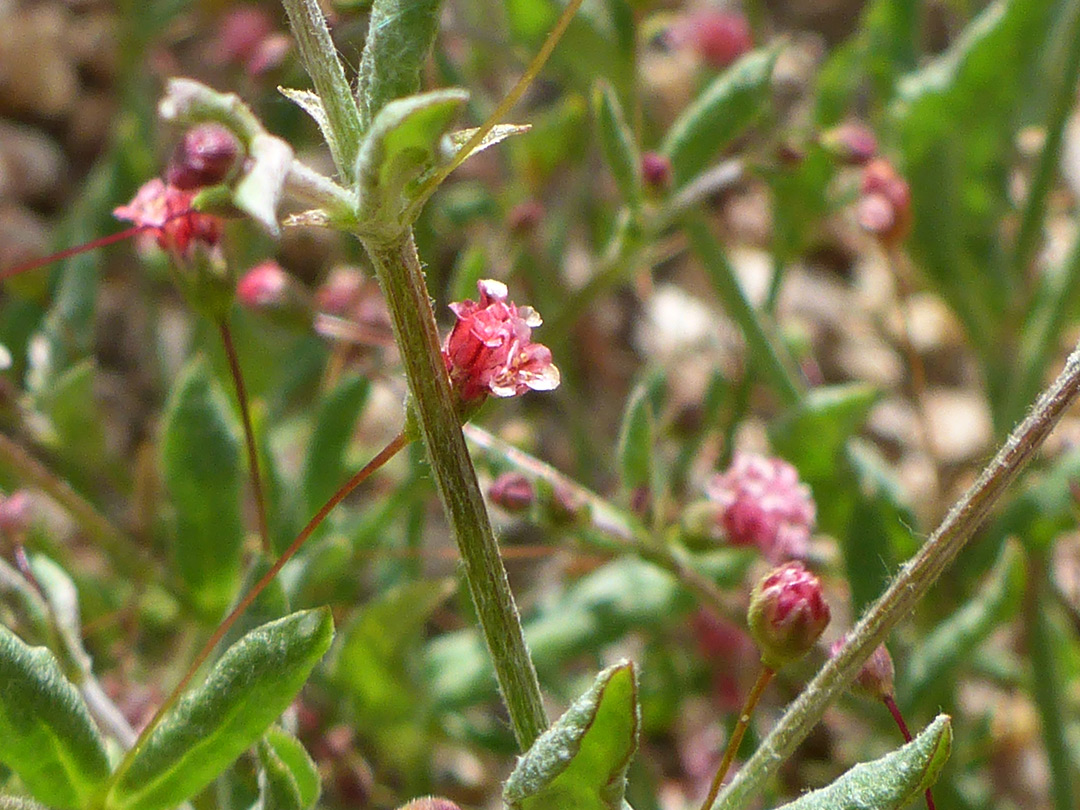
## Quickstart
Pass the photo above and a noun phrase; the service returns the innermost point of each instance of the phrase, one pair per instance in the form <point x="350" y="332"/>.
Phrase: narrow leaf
<point x="324" y="467"/>
<point x="291" y="753"/>
<point x="46" y="734"/>
<point x="201" y="467"/>
<point x="581" y="760"/>
<point x="311" y="104"/>
<point x="248" y="688"/>
<point x="725" y="109"/>
<point x="636" y="442"/>
<point x="617" y="142"/>
<point x="888" y="783"/>
<point x="497" y="134"/>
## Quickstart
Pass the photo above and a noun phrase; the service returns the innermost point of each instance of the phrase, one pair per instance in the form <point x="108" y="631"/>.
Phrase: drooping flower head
<point x="169" y="219"/>
<point x="877" y="676"/>
<point x="762" y="503"/>
<point x="788" y="613"/>
<point x="490" y="349"/>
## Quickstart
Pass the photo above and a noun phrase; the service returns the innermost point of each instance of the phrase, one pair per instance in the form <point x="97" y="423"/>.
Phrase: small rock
<point x="32" y="166"/>
<point x="959" y="423"/>
<point x="37" y="74"/>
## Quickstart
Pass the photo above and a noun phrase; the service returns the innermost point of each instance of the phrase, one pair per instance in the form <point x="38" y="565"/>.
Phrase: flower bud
<point x="718" y="37"/>
<point x="877" y="676"/>
<point x="206" y="156"/>
<point x="655" y="171"/>
<point x="884" y="207"/>
<point x="787" y="615"/>
<point x="512" y="491"/>
<point x="15" y="513"/>
<point x="430" y="803"/>
<point x="850" y="143"/>
<point x="266" y="288"/>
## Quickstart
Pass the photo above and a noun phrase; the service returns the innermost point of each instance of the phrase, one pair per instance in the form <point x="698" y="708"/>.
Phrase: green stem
<point x="1061" y="105"/>
<point x="249" y="435"/>
<point x="766" y="354"/>
<point x="912" y="582"/>
<point x="1047" y="688"/>
<point x="402" y="279"/>
<point x="321" y="62"/>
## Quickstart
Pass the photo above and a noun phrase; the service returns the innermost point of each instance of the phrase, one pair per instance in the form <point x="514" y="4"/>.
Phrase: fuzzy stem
<point x="321" y="62"/>
<point x="402" y="279"/>
<point x="249" y="435"/>
<point x="894" y="710"/>
<point x="743" y="723"/>
<point x="912" y="582"/>
<point x="384" y="455"/>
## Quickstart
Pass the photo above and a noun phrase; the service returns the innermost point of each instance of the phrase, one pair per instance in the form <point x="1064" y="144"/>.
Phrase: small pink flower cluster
<point x="490" y="349"/>
<point x="884" y="207"/>
<point x="764" y="504"/>
<point x="166" y="213"/>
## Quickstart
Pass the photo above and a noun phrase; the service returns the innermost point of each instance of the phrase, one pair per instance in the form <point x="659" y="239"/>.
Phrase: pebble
<point x="37" y="74"/>
<point x="959" y="423"/>
<point x="32" y="165"/>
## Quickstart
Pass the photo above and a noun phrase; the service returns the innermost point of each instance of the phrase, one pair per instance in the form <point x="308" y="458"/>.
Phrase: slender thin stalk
<point x="763" y="679"/>
<point x="531" y="72"/>
<point x="764" y="350"/>
<point x="894" y="710"/>
<point x="383" y="456"/>
<point x="1061" y="105"/>
<point x="127" y="555"/>
<point x="402" y="279"/>
<point x="911" y="584"/>
<point x="249" y="435"/>
<point x="1047" y="688"/>
<point x="321" y="62"/>
<point x="34" y="264"/>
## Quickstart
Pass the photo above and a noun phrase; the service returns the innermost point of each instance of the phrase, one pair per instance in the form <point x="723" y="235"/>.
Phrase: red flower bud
<point x="787" y="615"/>
<point x="15" y="513"/>
<point x="512" y="491"/>
<point x="850" y="143"/>
<point x="718" y="37"/>
<point x="656" y="171"/>
<point x="877" y="676"/>
<point x="205" y="156"/>
<point x="268" y="289"/>
<point x="490" y="350"/>
<point x="884" y="209"/>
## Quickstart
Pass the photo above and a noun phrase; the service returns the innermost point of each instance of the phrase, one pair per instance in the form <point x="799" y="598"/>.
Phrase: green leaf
<point x="404" y="143"/>
<point x="46" y="734"/>
<point x="888" y="783"/>
<point x="723" y="111"/>
<point x="581" y="760"/>
<point x="953" y="641"/>
<point x="497" y="134"/>
<point x="247" y="689"/>
<point x="812" y="436"/>
<point x="289" y="780"/>
<point x="955" y="121"/>
<point x="202" y="471"/>
<point x="271" y="604"/>
<point x="399" y="39"/>
<point x="617" y="143"/>
<point x="71" y="406"/>
<point x="636" y="442"/>
<point x="324" y="467"/>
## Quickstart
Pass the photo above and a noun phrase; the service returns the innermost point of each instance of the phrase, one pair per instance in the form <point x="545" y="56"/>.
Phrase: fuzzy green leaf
<point x="617" y="142"/>
<point x="725" y="109"/>
<point x="404" y="143"/>
<point x="581" y="760"/>
<point x="201" y="467"/>
<point x="46" y="734"/>
<point x="888" y="783"/>
<point x="290" y="780"/>
<point x="247" y="689"/>
<point x="953" y="641"/>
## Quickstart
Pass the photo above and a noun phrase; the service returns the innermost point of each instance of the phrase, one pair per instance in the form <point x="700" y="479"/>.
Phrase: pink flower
<point x="788" y="613"/>
<point x="719" y="37"/>
<point x="884" y="207"/>
<point x="764" y="504"/>
<point x="165" y="211"/>
<point x="490" y="351"/>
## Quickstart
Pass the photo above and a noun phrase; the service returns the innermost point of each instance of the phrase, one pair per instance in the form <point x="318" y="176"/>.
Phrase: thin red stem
<point x="894" y="710"/>
<point x="67" y="253"/>
<point x="743" y="723"/>
<point x="384" y="455"/>
<point x="249" y="434"/>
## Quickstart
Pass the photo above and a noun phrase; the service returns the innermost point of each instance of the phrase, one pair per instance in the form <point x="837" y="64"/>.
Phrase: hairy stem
<point x="249" y="435"/>
<point x="737" y="735"/>
<point x="402" y="280"/>
<point x="911" y="584"/>
<point x="384" y="455"/>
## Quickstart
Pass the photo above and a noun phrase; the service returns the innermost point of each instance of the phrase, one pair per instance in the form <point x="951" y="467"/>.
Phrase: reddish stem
<point x="33" y="264"/>
<point x="384" y="455"/>
<point x="894" y="710"/>
<point x="743" y="723"/>
<point x="249" y="434"/>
